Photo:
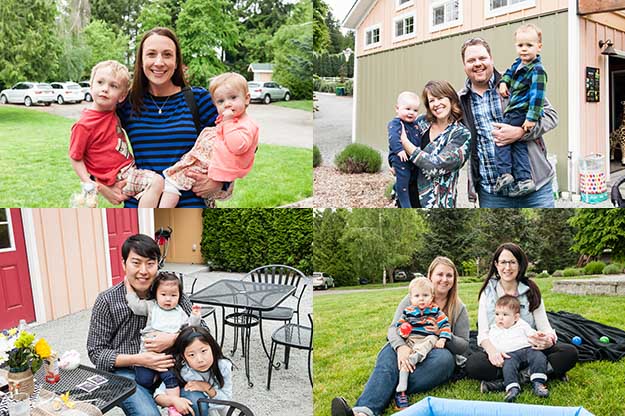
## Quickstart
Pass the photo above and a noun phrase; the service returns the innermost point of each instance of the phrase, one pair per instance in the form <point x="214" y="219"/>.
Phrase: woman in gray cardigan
<point x="438" y="366"/>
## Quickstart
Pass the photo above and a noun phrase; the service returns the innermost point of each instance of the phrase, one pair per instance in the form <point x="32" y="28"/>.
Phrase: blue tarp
<point x="434" y="406"/>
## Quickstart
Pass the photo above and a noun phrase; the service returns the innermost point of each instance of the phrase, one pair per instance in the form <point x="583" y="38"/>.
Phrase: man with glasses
<point x="482" y="107"/>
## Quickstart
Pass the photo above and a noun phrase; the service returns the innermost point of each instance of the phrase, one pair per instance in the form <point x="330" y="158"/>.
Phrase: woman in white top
<point x="507" y="277"/>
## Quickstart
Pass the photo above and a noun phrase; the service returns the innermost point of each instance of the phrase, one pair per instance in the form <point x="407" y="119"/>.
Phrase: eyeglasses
<point x="511" y="263"/>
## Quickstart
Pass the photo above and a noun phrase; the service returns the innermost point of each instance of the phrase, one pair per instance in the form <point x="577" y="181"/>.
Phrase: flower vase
<point x="23" y="380"/>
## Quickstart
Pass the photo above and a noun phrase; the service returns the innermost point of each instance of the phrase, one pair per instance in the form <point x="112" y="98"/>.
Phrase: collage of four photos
<point x="168" y="248"/>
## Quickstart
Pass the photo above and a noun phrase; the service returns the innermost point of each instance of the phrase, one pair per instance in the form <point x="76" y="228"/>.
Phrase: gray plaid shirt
<point x="487" y="110"/>
<point x="114" y="329"/>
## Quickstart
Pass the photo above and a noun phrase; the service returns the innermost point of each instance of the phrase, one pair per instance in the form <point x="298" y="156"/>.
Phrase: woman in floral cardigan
<point x="444" y="146"/>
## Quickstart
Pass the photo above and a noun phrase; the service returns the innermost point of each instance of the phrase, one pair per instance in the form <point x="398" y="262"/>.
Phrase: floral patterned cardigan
<point x="439" y="164"/>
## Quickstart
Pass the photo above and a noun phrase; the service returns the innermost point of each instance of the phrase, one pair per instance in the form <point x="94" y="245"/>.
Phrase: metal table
<point x="248" y="296"/>
<point x="107" y="396"/>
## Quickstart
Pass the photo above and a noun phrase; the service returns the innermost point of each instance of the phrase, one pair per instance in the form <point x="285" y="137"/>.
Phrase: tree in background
<point x="29" y="43"/>
<point x="330" y="62"/>
<point x="292" y="45"/>
<point x="206" y="29"/>
<point x="157" y="13"/>
<point x="320" y="30"/>
<point x="553" y="249"/>
<point x="103" y="44"/>
<point x="599" y="230"/>
<point x="331" y="254"/>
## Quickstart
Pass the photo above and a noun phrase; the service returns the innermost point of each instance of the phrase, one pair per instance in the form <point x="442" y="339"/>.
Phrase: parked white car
<point x="28" y="93"/>
<point x="67" y="92"/>
<point x="322" y="281"/>
<point x="86" y="90"/>
<point x="267" y="91"/>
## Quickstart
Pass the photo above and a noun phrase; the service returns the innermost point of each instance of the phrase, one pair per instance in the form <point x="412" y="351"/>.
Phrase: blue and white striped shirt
<point x="159" y="140"/>
<point x="486" y="111"/>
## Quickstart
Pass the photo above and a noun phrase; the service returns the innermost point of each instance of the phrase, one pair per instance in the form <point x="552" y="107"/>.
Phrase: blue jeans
<point x="436" y="369"/>
<point x="141" y="403"/>
<point x="542" y="198"/>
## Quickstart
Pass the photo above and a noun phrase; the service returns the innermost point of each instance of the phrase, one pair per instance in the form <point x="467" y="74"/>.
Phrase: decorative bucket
<point x="593" y="186"/>
<point x="23" y="380"/>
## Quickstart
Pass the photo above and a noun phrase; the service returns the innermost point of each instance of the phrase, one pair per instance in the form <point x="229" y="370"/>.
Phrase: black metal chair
<point x="291" y="336"/>
<point x="206" y="310"/>
<point x="234" y="408"/>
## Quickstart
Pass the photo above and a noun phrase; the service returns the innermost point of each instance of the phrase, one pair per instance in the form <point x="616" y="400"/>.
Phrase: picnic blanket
<point x="567" y="325"/>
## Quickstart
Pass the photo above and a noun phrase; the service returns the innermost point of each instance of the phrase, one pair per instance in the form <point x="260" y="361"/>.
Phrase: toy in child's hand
<point x="405" y="329"/>
<point x="604" y="340"/>
<point x="88" y="198"/>
<point x="576" y="340"/>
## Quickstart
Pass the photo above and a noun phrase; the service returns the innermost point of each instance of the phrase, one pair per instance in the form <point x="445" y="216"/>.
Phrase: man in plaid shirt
<point x="114" y="341"/>
<point x="483" y="114"/>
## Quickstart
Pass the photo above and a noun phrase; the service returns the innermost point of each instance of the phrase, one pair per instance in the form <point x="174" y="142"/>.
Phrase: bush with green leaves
<point x="570" y="272"/>
<point x="316" y="156"/>
<point x="594" y="267"/>
<point x="542" y="275"/>
<point x="613" y="268"/>
<point x="558" y="273"/>
<point x="531" y="275"/>
<point x="358" y="158"/>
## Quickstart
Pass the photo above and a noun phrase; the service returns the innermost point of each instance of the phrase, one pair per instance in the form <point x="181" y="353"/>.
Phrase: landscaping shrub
<point x="594" y="267"/>
<point x="316" y="157"/>
<point x="542" y="275"/>
<point x="613" y="268"/>
<point x="571" y="271"/>
<point x="558" y="273"/>
<point x="358" y="158"/>
<point x="531" y="275"/>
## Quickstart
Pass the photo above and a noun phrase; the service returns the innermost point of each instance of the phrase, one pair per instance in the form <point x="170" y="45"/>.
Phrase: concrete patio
<point x="290" y="394"/>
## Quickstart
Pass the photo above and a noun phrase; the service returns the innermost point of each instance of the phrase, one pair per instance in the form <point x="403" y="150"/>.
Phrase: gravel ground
<point x="290" y="394"/>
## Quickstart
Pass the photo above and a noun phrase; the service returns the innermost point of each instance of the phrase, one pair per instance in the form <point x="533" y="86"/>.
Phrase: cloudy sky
<point x="340" y="8"/>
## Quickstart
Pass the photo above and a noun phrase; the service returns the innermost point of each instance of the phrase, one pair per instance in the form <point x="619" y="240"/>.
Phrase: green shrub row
<point x="240" y="240"/>
<point x="330" y="86"/>
<point x="594" y="267"/>
<point x="358" y="158"/>
<point x="571" y="271"/>
<point x="316" y="157"/>
<point x="614" y="268"/>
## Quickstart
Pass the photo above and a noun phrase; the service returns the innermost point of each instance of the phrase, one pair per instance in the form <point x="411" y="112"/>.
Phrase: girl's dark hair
<point x="185" y="338"/>
<point x="140" y="81"/>
<point x="534" y="293"/>
<point x="165" y="277"/>
<point x="442" y="89"/>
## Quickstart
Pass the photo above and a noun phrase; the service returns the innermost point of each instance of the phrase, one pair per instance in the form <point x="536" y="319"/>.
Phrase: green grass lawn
<point x="37" y="172"/>
<point x="305" y="105"/>
<point x="350" y="329"/>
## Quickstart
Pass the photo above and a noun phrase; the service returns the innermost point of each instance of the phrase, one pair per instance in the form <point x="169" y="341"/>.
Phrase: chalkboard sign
<point x="592" y="84"/>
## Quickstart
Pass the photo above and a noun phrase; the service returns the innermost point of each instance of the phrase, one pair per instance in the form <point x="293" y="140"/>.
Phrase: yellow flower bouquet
<point x="19" y="351"/>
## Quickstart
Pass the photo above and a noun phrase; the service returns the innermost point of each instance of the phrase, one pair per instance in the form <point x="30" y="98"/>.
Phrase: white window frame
<point x="414" y="26"/>
<point x="444" y="25"/>
<point x="403" y="6"/>
<point x="510" y="8"/>
<point x="371" y="29"/>
<point x="9" y="222"/>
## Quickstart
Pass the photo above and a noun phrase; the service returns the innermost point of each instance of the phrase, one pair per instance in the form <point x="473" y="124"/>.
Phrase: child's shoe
<point x="171" y="411"/>
<point x="540" y="389"/>
<point x="512" y="394"/>
<point x="489" y="386"/>
<point x="503" y="180"/>
<point x="401" y="400"/>
<point x="522" y="188"/>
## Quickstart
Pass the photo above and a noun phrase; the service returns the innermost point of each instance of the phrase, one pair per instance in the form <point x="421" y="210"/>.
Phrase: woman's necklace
<point x="160" y="109"/>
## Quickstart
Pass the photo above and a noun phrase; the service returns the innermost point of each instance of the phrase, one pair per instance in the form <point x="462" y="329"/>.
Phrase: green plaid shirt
<point x="527" y="84"/>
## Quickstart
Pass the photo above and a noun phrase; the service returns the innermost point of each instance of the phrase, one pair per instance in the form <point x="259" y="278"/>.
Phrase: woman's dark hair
<point x="165" y="277"/>
<point x="185" y="338"/>
<point x="442" y="89"/>
<point x="534" y="293"/>
<point x="142" y="245"/>
<point x="140" y="81"/>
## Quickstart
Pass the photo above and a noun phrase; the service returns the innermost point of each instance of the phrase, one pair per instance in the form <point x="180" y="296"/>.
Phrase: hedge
<point x="240" y="240"/>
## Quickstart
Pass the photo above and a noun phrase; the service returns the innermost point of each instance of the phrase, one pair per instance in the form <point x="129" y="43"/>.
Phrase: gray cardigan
<point x="459" y="342"/>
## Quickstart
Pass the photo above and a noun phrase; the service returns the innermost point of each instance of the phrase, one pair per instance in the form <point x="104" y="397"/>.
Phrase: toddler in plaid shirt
<point x="525" y="83"/>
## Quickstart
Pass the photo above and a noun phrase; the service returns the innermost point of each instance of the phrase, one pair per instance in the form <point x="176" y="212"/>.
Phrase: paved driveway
<point x="278" y="125"/>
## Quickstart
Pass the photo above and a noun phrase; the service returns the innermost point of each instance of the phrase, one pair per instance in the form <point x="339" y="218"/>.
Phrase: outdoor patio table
<point x="107" y="396"/>
<point x="246" y="295"/>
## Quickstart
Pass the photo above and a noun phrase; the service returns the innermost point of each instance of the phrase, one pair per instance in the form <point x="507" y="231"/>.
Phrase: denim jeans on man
<point x="437" y="368"/>
<point x="513" y="158"/>
<point x="142" y="403"/>
<point x="542" y="198"/>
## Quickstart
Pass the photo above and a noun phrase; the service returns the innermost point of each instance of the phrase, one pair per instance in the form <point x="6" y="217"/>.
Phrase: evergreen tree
<point x="330" y="254"/>
<point x="599" y="230"/>
<point x="553" y="250"/>
<point x="320" y="30"/>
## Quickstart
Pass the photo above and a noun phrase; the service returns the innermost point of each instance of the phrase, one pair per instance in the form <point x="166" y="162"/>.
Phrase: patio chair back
<point x="281" y="275"/>
<point x="234" y="408"/>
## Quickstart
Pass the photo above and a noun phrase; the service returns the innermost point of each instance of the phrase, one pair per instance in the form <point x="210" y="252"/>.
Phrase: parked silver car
<point x="322" y="281"/>
<point x="67" y="92"/>
<point x="28" y="93"/>
<point x="86" y="90"/>
<point x="268" y="91"/>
